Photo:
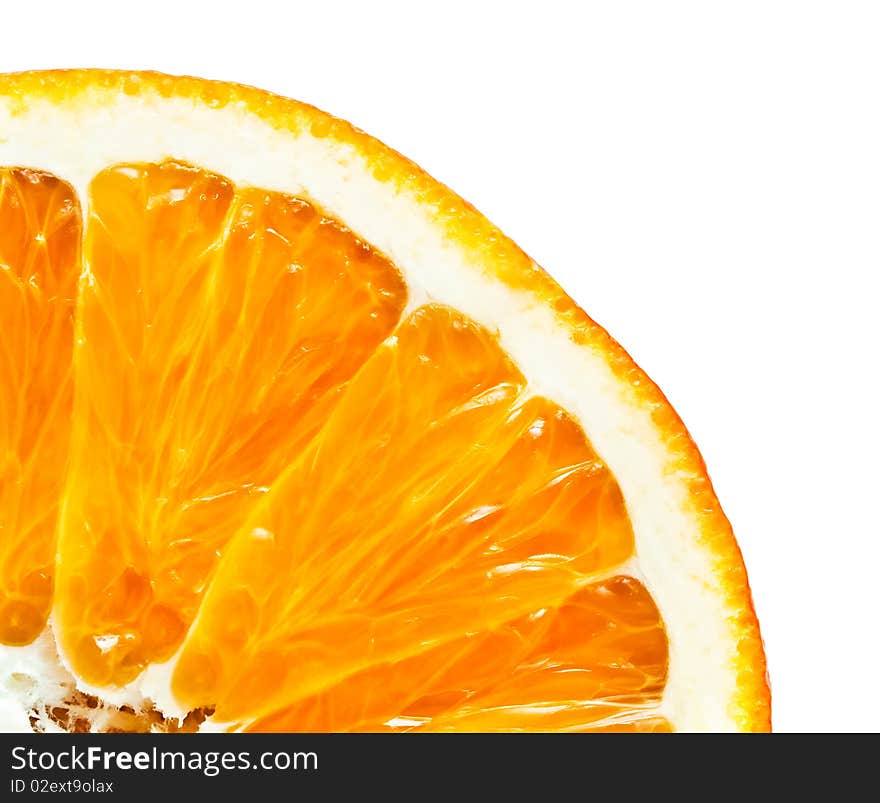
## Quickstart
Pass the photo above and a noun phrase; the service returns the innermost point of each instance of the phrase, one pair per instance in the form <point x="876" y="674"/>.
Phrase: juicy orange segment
<point x="596" y="662"/>
<point x="40" y="232"/>
<point x="217" y="328"/>
<point x="439" y="502"/>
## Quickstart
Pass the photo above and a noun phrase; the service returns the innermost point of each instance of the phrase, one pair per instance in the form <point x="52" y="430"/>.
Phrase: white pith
<point x="77" y="140"/>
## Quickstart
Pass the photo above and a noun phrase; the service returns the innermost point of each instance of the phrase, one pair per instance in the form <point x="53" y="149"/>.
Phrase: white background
<point x="703" y="177"/>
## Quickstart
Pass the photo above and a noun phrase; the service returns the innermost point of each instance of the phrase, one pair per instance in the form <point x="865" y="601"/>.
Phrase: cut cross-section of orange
<point x="294" y="439"/>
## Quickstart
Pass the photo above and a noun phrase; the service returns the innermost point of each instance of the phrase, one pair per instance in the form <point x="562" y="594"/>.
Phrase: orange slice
<point x="295" y="439"/>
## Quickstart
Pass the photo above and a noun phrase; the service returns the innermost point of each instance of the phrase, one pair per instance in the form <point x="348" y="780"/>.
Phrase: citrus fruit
<point x="292" y="438"/>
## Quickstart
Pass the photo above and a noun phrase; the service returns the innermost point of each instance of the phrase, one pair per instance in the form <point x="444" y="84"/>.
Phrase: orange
<point x="294" y="439"/>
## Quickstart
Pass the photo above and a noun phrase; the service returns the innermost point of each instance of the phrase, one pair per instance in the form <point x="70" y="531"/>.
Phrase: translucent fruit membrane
<point x="332" y="514"/>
